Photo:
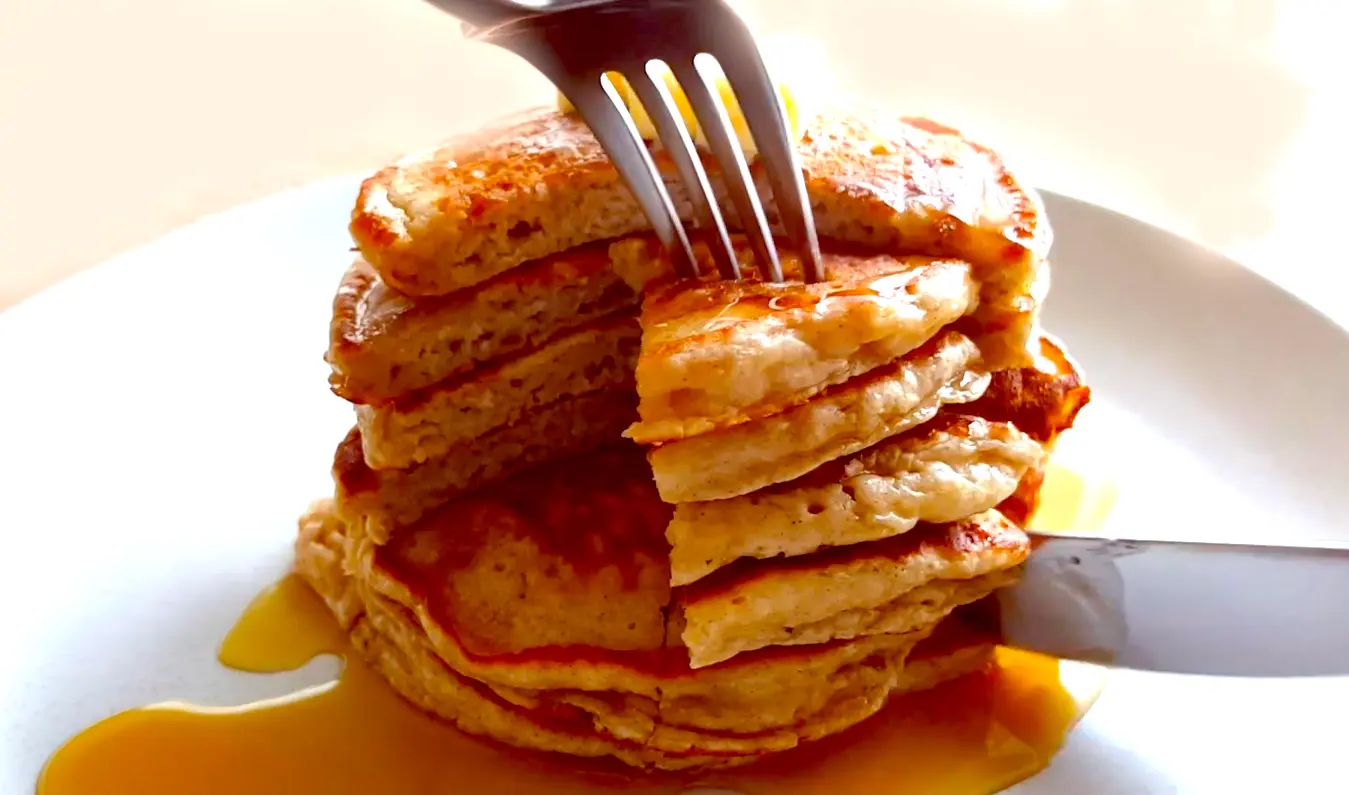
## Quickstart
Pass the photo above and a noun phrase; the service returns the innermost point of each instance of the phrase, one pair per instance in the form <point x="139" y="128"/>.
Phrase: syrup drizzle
<point x="971" y="736"/>
<point x="1071" y="502"/>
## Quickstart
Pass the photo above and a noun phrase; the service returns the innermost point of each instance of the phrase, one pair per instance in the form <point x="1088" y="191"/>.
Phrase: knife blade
<point x="1178" y="607"/>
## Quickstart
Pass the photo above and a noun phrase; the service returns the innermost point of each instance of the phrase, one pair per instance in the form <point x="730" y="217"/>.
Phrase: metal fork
<point x="575" y="43"/>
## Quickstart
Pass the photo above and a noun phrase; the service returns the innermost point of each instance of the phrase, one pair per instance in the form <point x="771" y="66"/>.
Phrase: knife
<point x="1178" y="607"/>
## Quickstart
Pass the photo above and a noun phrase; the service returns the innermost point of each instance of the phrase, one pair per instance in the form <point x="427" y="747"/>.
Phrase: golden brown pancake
<point x="401" y="604"/>
<point x="378" y="501"/>
<point x="539" y="183"/>
<point x="955" y="466"/>
<point x="958" y="464"/>
<point x="434" y="421"/>
<point x="587" y="533"/>
<point x="717" y="354"/>
<point x="633" y="729"/>
<point x="896" y="585"/>
<point x="842" y="420"/>
<point x="550" y="534"/>
<point x="384" y="344"/>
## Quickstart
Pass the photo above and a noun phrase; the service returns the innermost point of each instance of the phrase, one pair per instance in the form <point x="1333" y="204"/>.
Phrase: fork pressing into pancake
<point x="577" y="43"/>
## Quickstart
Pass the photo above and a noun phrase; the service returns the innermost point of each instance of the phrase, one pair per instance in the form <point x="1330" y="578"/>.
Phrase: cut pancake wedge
<point x="900" y="584"/>
<point x="717" y="354"/>
<point x="954" y="466"/>
<point x="840" y="421"/>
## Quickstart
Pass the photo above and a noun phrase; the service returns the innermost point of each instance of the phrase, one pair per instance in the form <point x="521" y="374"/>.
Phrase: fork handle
<point x="486" y="14"/>
<point x="482" y="15"/>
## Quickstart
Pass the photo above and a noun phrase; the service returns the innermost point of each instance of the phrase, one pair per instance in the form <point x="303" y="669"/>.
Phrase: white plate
<point x="167" y="418"/>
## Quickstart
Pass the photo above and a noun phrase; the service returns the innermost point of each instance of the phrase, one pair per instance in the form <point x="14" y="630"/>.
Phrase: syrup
<point x="1070" y="502"/>
<point x="971" y="736"/>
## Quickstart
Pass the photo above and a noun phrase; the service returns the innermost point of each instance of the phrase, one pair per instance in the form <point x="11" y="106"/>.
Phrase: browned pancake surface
<point x="588" y="534"/>
<point x="645" y="709"/>
<point x="539" y="183"/>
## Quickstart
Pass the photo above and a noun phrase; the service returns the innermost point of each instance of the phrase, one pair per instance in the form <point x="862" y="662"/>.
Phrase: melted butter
<point x="972" y="736"/>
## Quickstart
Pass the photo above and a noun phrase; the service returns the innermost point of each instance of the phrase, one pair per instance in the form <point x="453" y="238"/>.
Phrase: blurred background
<point x="1225" y="120"/>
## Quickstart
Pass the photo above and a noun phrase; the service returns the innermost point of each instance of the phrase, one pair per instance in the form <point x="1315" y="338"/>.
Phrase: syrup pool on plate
<point x="971" y="736"/>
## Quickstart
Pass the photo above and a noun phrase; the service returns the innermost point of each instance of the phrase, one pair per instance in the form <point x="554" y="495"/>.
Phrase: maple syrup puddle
<point x="972" y="736"/>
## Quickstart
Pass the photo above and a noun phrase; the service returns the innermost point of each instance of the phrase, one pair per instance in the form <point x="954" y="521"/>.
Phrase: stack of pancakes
<point x="592" y="508"/>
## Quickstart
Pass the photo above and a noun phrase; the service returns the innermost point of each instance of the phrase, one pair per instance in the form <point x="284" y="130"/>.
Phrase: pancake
<point x="716" y="354"/>
<point x="1004" y="326"/>
<point x="966" y="460"/>
<point x="433" y="421"/>
<point x="1043" y="399"/>
<point x="380" y="500"/>
<point x="832" y="471"/>
<point x="383" y="344"/>
<point x="1020" y="506"/>
<point x="584" y="724"/>
<point x="840" y="421"/>
<point x="539" y="183"/>
<point x="584" y="533"/>
<point x="955" y="466"/>
<point x="896" y="585"/>
<point x="593" y="521"/>
<point x="648" y="710"/>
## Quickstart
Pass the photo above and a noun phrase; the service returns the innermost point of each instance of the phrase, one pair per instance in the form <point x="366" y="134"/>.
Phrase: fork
<point x="577" y="43"/>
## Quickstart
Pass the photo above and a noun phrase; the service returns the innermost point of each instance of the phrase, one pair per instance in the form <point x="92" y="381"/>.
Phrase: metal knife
<point x="1192" y="608"/>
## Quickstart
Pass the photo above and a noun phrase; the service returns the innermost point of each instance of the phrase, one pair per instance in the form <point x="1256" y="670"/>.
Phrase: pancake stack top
<point x="822" y="474"/>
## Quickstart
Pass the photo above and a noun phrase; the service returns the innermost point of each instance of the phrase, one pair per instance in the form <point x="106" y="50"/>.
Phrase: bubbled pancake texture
<point x="592" y="508"/>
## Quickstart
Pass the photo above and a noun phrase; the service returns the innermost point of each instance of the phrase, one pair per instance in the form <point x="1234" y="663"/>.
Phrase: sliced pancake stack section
<point x="821" y="446"/>
<point x="591" y="508"/>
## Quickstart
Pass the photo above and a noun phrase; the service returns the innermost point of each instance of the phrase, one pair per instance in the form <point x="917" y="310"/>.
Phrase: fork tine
<point x="674" y="135"/>
<point x="762" y="107"/>
<point x="716" y="126"/>
<point x="603" y="110"/>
